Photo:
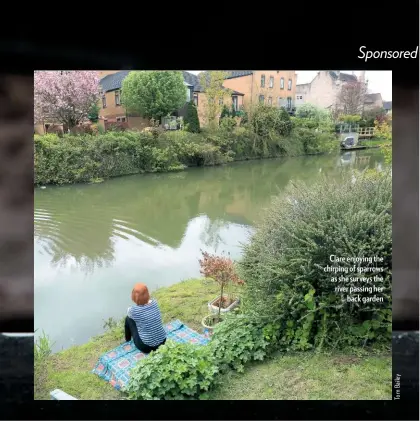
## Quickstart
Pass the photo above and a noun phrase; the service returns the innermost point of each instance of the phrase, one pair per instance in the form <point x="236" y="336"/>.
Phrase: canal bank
<point x="92" y="242"/>
<point x="305" y="375"/>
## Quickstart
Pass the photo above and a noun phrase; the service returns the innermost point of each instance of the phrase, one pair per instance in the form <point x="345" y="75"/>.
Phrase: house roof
<point x="238" y="73"/>
<point x="388" y="105"/>
<point x="192" y="80"/>
<point x="343" y="77"/>
<point x="114" y="81"/>
<point x="371" y="98"/>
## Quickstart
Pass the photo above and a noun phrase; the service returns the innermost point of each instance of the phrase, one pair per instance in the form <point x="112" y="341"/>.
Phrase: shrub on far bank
<point x="84" y="157"/>
<point x="191" y="119"/>
<point x="266" y="119"/>
<point x="283" y="265"/>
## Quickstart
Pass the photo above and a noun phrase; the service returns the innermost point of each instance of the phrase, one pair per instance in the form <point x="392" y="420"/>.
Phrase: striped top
<point x="149" y="323"/>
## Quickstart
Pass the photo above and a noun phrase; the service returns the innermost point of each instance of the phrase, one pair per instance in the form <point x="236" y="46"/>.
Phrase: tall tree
<point x="65" y="96"/>
<point x="154" y="94"/>
<point x="212" y="83"/>
<point x="351" y="98"/>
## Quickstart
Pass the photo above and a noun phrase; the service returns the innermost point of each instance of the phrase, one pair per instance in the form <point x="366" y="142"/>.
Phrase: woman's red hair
<point x="140" y="294"/>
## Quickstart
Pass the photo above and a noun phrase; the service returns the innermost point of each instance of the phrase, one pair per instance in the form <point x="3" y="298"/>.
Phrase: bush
<point x="174" y="371"/>
<point x="225" y="112"/>
<point x="238" y="340"/>
<point x="191" y="119"/>
<point x="313" y="141"/>
<point x="267" y="120"/>
<point x="283" y="265"/>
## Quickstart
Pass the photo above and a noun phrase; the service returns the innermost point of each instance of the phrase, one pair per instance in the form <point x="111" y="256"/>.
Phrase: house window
<point x="299" y="97"/>
<point x="196" y="100"/>
<point x="289" y="102"/>
<point x="270" y="100"/>
<point x="188" y="94"/>
<point x="289" y="84"/>
<point x="282" y="83"/>
<point x="235" y="102"/>
<point x="262" y="81"/>
<point x="279" y="102"/>
<point x="261" y="99"/>
<point x="117" y="98"/>
<point x="121" y="119"/>
<point x="271" y="82"/>
<point x="103" y="101"/>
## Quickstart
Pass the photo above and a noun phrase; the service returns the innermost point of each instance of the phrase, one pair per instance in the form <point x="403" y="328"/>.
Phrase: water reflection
<point x="150" y="228"/>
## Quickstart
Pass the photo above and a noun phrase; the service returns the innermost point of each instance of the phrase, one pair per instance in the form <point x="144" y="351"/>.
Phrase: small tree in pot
<point x="222" y="270"/>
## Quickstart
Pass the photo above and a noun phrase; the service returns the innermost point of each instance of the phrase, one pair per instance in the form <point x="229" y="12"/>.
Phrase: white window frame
<point x="235" y="101"/>
<point x="271" y="82"/>
<point x="289" y="85"/>
<point x="121" y="119"/>
<point x="282" y="83"/>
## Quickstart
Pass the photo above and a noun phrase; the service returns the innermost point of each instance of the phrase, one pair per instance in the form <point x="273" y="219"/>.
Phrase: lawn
<point x="297" y="376"/>
<point x="373" y="143"/>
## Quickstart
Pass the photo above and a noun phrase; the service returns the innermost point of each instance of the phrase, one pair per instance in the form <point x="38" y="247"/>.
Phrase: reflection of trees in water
<point x="210" y="236"/>
<point x="83" y="222"/>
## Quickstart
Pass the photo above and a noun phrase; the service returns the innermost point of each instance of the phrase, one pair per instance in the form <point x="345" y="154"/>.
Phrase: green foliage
<point x="191" y="119"/>
<point x="153" y="94"/>
<point x="42" y="348"/>
<point x="238" y="340"/>
<point x="314" y="141"/>
<point x="174" y="371"/>
<point x="228" y="123"/>
<point x="225" y="112"/>
<point x="349" y="118"/>
<point x="212" y="83"/>
<point x="284" y="264"/>
<point x="267" y="121"/>
<point x="93" y="115"/>
<point x="370" y="115"/>
<point x="88" y="157"/>
<point x="312" y="112"/>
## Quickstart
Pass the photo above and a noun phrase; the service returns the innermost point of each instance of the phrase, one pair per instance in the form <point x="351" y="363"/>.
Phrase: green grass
<point x="310" y="376"/>
<point x="373" y="142"/>
<point x="298" y="376"/>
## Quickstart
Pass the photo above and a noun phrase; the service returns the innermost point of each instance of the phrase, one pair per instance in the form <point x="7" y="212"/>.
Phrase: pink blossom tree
<point x="65" y="96"/>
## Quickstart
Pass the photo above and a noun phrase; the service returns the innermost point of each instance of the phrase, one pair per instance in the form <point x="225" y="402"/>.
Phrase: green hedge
<point x="283" y="265"/>
<point x="89" y="158"/>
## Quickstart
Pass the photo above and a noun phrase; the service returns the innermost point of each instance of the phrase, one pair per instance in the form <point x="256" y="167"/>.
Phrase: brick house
<point x="272" y="87"/>
<point x="112" y="110"/>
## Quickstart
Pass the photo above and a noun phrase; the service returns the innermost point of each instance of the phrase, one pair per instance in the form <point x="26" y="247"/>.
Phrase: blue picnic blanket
<point x="114" y="366"/>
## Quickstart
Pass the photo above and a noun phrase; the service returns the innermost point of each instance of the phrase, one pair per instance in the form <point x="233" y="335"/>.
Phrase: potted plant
<point x="222" y="270"/>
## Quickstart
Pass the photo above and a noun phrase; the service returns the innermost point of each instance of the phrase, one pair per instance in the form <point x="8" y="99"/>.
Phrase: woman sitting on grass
<point x="144" y="321"/>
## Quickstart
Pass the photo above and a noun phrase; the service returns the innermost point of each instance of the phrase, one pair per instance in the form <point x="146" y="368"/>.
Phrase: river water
<point x="93" y="242"/>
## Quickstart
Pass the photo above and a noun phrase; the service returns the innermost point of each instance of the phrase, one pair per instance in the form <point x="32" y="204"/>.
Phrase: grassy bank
<point x="373" y="143"/>
<point x="303" y="375"/>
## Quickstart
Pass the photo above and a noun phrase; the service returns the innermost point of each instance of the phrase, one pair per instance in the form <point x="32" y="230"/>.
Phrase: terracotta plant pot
<point x="213" y="305"/>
